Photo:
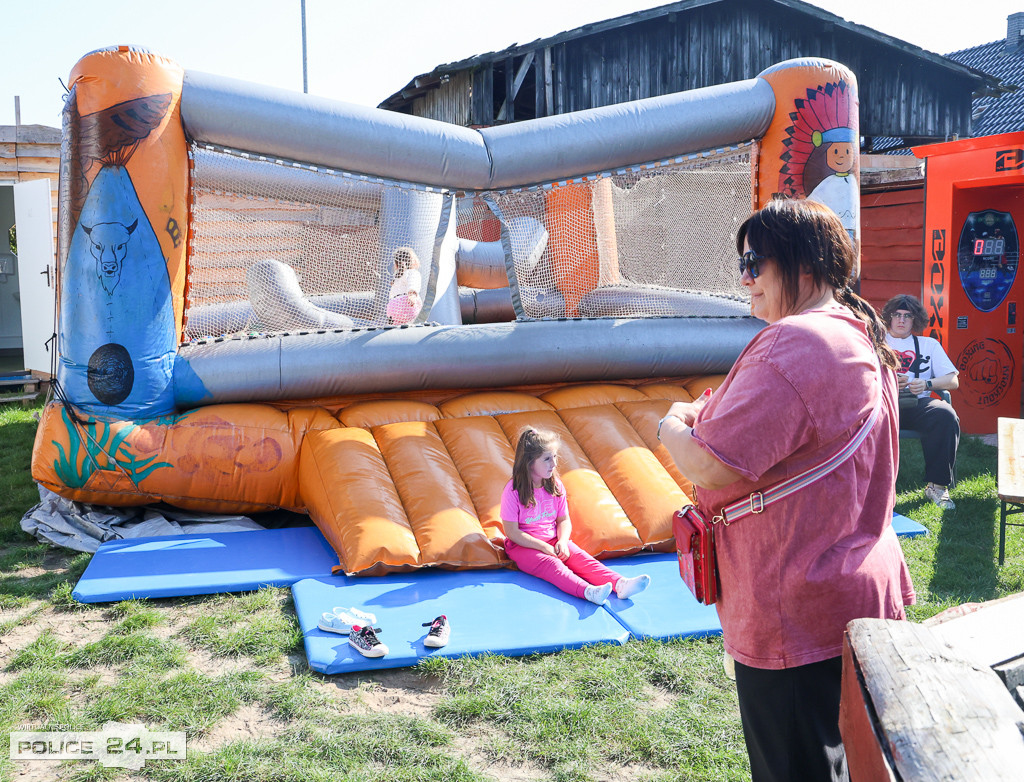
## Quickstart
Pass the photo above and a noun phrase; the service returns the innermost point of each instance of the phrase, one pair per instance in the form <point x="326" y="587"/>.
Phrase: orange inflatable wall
<point x="394" y="484"/>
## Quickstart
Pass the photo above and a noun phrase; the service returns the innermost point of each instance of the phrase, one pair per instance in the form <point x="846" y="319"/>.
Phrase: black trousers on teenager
<point x="791" y="722"/>
<point x="937" y="423"/>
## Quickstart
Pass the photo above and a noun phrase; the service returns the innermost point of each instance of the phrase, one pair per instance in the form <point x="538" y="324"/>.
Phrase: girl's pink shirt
<point x="793" y="576"/>
<point x="539" y="519"/>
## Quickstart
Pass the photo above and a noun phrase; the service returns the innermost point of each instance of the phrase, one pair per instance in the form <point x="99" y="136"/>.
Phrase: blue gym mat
<point x="907" y="528"/>
<point x="500" y="611"/>
<point x="666" y="609"/>
<point x="179" y="565"/>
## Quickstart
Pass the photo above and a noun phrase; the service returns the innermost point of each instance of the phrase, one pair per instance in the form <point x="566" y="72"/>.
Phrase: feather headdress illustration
<point x="820" y="161"/>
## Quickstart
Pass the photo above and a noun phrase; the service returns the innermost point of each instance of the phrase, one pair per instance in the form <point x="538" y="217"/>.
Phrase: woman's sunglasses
<point x="749" y="261"/>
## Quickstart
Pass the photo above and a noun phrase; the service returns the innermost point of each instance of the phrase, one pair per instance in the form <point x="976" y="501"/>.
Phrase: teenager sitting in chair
<point x="926" y="368"/>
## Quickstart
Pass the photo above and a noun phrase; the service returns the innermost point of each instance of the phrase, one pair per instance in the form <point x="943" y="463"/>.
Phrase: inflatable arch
<point x="270" y="300"/>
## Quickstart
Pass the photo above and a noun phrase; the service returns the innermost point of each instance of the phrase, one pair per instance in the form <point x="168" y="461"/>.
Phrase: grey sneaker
<point x="939" y="495"/>
<point x="364" y="640"/>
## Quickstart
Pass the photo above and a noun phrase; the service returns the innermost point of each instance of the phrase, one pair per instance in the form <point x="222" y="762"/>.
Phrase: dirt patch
<point x="472" y="747"/>
<point x="53" y="560"/>
<point x="400" y="691"/>
<point x="249" y="723"/>
<point x="40" y="771"/>
<point x="71" y="628"/>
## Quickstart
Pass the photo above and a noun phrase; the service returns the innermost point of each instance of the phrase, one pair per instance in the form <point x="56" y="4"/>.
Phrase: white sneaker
<point x="627" y="587"/>
<point x="364" y="640"/>
<point x="335" y="623"/>
<point x="439" y="632"/>
<point x="360" y="617"/>
<point x="597" y="594"/>
<point x="939" y="495"/>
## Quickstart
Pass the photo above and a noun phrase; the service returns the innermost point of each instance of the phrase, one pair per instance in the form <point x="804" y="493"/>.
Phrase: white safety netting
<point x="652" y="241"/>
<point x="278" y="246"/>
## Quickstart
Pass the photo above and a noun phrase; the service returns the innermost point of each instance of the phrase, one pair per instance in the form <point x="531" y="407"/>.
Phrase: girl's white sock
<point x="597" y="594"/>
<point x="627" y="587"/>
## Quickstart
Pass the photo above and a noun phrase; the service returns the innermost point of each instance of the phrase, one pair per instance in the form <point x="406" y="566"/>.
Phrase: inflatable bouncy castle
<point x="272" y="300"/>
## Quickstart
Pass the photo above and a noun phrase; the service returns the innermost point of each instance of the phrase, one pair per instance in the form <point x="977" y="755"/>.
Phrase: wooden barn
<point x="905" y="91"/>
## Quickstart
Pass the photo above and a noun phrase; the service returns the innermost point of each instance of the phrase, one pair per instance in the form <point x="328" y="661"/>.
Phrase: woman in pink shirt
<point x="793" y="575"/>
<point x="535" y="515"/>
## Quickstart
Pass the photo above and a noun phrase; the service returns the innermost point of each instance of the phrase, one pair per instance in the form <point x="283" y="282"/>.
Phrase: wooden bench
<point x="936" y="700"/>
<point x="26" y="382"/>
<point x="1010" y="487"/>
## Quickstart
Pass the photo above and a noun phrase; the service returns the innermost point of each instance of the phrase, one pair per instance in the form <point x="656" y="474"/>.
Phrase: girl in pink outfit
<point x="537" y="527"/>
<point x="404" y="302"/>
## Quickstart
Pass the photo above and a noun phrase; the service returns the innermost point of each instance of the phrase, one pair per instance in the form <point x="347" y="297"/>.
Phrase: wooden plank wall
<point x="715" y="44"/>
<point x="30" y="152"/>
<point x="892" y="244"/>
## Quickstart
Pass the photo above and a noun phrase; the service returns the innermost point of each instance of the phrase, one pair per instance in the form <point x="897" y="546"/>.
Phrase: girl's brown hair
<point x="532" y="445"/>
<point x="403" y="260"/>
<point x="805" y="236"/>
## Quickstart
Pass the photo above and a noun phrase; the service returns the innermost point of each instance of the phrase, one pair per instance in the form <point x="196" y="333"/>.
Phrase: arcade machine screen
<point x="987" y="257"/>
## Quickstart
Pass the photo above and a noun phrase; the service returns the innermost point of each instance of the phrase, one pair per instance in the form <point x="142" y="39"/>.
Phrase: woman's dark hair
<point x="805" y="236"/>
<point x="906" y="302"/>
<point x="532" y="445"/>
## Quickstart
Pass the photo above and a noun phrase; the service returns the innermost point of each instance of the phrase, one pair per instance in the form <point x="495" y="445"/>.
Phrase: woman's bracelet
<point x="663" y="421"/>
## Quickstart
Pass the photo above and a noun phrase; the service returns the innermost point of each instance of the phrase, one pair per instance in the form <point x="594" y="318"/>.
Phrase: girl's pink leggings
<point x="573" y="575"/>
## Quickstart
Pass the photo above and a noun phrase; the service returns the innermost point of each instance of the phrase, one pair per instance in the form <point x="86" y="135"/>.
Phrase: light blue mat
<point x="179" y="565"/>
<point x="501" y="611"/>
<point x="666" y="609"/>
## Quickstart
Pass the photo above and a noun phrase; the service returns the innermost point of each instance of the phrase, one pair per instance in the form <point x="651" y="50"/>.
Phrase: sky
<point x="358" y="51"/>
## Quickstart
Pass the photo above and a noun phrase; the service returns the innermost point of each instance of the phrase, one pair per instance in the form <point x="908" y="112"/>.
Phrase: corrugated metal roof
<point x="426" y="81"/>
<point x="1003" y="113"/>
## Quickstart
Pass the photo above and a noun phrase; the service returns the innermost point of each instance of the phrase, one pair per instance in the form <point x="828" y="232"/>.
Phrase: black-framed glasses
<point x="749" y="263"/>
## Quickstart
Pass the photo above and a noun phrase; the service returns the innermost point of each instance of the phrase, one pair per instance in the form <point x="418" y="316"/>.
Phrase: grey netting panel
<point x="651" y="241"/>
<point x="277" y="246"/>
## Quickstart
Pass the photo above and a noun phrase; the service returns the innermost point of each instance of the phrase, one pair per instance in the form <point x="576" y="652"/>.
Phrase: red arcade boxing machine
<point x="972" y="292"/>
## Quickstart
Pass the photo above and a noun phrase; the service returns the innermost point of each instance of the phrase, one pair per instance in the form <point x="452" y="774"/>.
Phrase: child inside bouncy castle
<point x="404" y="301"/>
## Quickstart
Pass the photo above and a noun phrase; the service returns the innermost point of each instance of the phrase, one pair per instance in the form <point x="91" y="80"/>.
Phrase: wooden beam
<point x="549" y="95"/>
<point x="512" y="85"/>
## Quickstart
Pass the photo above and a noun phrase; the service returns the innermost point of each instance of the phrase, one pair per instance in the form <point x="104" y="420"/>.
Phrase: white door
<point x="33" y="214"/>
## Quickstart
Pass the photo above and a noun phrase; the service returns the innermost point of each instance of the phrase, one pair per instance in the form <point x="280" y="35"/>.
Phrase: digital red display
<point x="989" y="246"/>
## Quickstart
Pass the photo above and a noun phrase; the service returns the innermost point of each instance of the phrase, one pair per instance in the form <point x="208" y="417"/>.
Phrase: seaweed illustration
<point x="104" y="449"/>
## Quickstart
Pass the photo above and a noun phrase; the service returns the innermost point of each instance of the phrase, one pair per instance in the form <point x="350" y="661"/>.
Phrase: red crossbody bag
<point x="695" y="535"/>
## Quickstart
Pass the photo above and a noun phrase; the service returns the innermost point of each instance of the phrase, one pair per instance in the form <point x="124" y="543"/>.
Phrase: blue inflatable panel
<point x="666" y="609"/>
<point x="178" y="565"/>
<point x="907" y="528"/>
<point x="500" y="611"/>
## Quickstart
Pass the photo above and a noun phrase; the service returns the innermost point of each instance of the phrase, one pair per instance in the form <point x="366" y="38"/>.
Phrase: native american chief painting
<point x="820" y="161"/>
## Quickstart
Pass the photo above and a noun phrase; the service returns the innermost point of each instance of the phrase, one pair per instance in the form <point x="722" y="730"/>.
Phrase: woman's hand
<point x="687" y="411"/>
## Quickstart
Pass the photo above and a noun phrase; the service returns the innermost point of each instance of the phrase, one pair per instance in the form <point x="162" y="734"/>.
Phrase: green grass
<point x="17" y="495"/>
<point x="650" y="711"/>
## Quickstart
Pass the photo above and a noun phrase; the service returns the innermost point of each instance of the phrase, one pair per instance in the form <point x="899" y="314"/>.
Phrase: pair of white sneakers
<point x="358" y="626"/>
<point x="362" y="635"/>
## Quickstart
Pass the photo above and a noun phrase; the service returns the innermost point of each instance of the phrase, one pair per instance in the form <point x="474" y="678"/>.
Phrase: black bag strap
<point x="917" y="357"/>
